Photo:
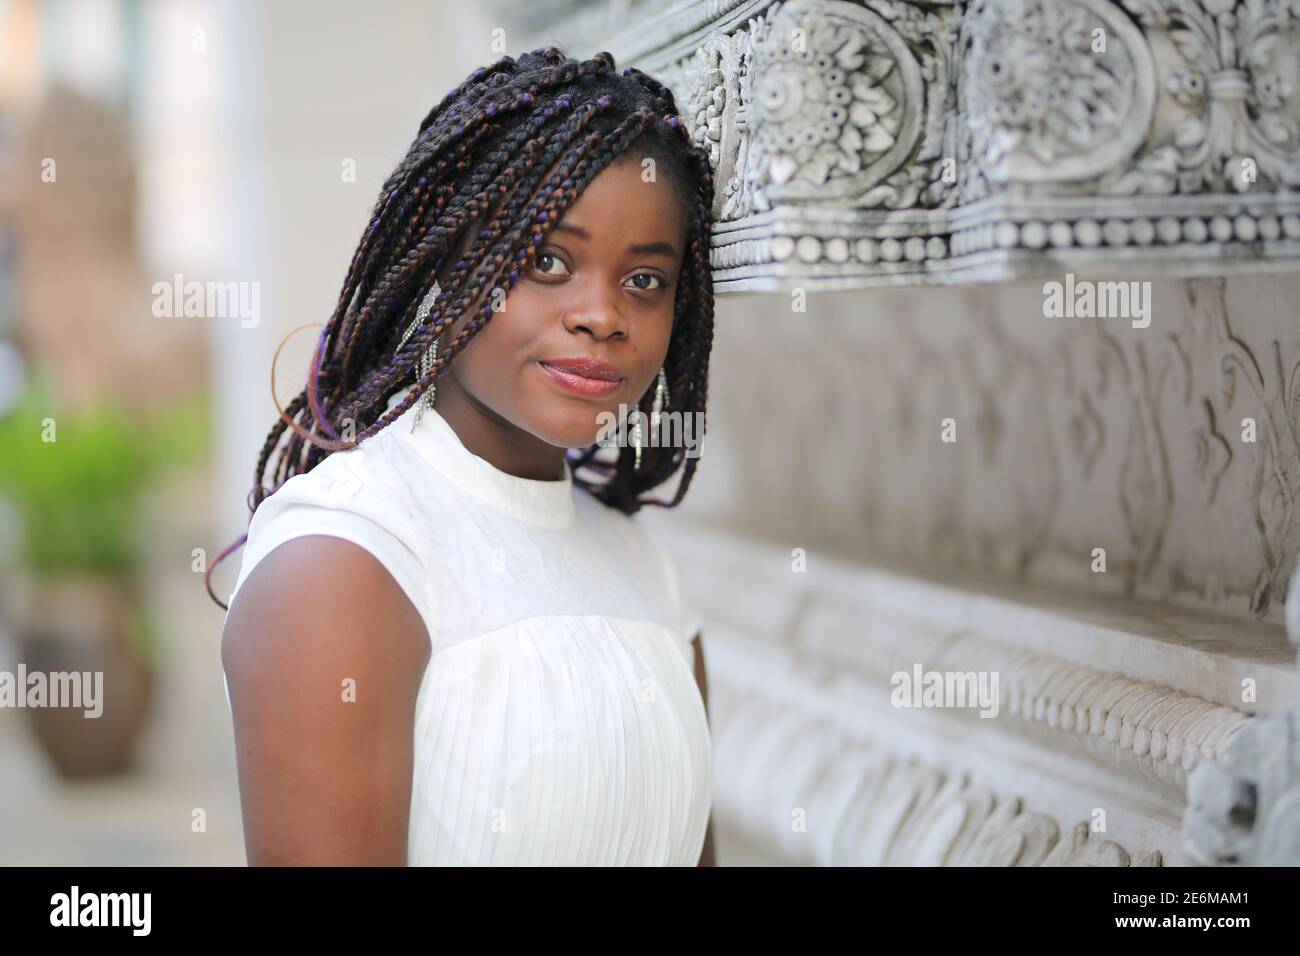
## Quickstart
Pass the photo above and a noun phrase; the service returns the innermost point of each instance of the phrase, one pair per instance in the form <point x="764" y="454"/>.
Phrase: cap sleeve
<point x="338" y="502"/>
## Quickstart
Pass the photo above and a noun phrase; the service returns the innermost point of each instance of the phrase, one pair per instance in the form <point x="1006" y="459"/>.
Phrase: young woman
<point x="449" y="641"/>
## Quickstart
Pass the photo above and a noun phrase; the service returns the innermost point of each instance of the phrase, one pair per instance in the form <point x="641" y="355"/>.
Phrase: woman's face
<point x="602" y="290"/>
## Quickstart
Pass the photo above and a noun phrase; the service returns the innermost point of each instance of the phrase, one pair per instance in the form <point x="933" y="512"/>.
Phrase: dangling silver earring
<point x="430" y="354"/>
<point x="661" y="398"/>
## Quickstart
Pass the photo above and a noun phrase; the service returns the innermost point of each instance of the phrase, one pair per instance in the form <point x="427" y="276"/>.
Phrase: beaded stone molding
<point x="1131" y="725"/>
<point x="899" y="143"/>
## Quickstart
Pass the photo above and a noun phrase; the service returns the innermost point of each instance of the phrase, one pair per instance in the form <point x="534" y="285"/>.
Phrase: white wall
<point x="305" y="86"/>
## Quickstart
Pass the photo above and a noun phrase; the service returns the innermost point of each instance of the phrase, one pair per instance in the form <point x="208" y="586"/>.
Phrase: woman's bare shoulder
<point x="324" y="656"/>
<point x="327" y="596"/>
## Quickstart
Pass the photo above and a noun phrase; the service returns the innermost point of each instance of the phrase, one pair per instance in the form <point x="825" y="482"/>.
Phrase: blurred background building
<point x="835" y="536"/>
<point x="209" y="141"/>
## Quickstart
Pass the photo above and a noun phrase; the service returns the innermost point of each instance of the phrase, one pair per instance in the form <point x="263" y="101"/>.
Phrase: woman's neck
<point x="494" y="439"/>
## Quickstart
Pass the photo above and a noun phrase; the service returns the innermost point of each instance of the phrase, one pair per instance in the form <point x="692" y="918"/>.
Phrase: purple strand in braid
<point x="517" y="141"/>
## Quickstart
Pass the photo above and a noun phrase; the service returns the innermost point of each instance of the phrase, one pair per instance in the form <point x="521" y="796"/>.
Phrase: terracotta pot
<point x="84" y="623"/>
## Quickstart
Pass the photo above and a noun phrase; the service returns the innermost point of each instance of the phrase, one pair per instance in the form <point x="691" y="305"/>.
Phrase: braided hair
<point x="514" y="145"/>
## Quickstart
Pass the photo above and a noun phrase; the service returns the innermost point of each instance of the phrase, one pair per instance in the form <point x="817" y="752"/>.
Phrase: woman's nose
<point x="595" y="312"/>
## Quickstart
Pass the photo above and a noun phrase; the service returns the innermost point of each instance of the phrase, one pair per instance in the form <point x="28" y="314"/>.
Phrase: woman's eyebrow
<point x="645" y="248"/>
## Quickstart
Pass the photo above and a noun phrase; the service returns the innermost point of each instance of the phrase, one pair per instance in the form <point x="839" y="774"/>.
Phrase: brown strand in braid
<point x="489" y="265"/>
<point x="515" y="144"/>
<point x="422" y="256"/>
<point x="566" y="182"/>
<point x="404" y="269"/>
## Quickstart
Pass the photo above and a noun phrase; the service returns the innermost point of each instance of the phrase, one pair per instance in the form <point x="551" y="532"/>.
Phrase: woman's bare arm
<point x="324" y="655"/>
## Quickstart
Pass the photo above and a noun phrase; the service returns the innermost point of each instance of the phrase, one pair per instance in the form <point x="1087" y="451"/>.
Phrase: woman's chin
<point x="576" y="427"/>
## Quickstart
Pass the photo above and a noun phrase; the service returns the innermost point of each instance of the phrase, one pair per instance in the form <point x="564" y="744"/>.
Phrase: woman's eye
<point x="650" y="275"/>
<point x="544" y="257"/>
<point x="546" y="262"/>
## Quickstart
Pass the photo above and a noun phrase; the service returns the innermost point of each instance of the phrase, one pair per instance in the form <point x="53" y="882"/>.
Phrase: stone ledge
<point x="1105" y="703"/>
<point x="1196" y="652"/>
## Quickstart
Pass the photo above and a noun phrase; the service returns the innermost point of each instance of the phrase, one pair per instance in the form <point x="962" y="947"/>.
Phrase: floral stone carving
<point x="921" y="142"/>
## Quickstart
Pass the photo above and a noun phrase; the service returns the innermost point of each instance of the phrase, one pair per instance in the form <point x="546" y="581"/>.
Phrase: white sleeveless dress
<point x="558" y="721"/>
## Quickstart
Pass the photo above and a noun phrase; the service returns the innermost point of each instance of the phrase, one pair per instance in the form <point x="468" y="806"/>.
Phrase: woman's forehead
<point x="630" y="199"/>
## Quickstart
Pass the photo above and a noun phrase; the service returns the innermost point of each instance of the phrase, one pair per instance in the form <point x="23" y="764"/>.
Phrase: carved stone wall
<point x="825" y="443"/>
<point x="909" y="463"/>
<point x="826" y="430"/>
<point x="889" y="142"/>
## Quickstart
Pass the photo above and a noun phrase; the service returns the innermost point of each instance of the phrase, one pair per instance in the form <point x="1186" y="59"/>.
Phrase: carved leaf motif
<point x="1190" y="45"/>
<point x="873" y="101"/>
<point x="816" y="168"/>
<point x="1191" y="134"/>
<point x="1272" y="126"/>
<point x="831" y="111"/>
<point x="1042" y="103"/>
<point x="1140" y="494"/>
<point x="1087" y="433"/>
<point x="1237" y="70"/>
<point x="1276" y="503"/>
<point x="1213" y="453"/>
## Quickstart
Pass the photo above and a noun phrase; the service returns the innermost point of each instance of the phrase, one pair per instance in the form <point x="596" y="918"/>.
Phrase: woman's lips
<point x="581" y="384"/>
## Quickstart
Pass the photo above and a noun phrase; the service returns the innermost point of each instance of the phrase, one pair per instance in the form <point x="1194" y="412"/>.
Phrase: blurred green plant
<point x="79" y="497"/>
